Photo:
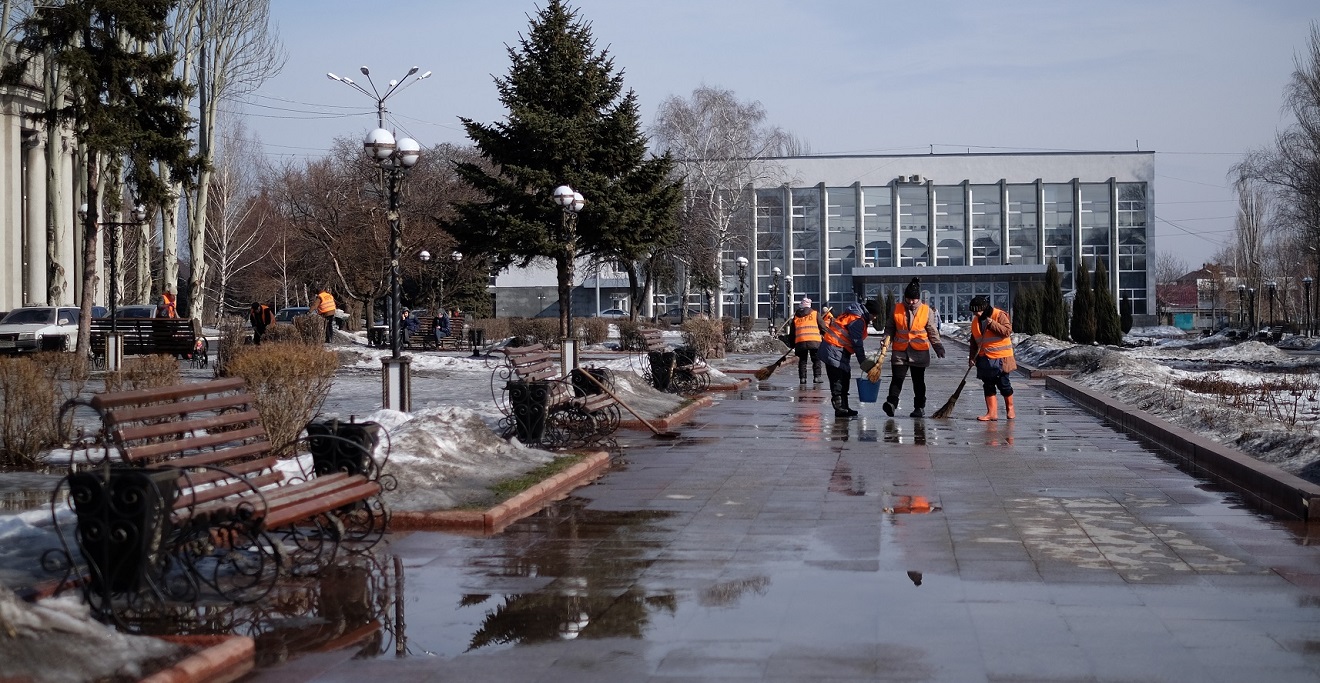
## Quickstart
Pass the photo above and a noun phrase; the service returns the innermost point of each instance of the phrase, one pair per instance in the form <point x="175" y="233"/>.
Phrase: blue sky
<point x="1199" y="82"/>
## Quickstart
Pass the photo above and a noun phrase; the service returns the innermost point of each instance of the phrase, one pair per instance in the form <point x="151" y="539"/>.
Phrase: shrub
<point x="706" y="335"/>
<point x="495" y="328"/>
<point x="630" y="335"/>
<point x="592" y="330"/>
<point x="233" y="334"/>
<point x="310" y="329"/>
<point x="28" y="396"/>
<point x="144" y="372"/>
<point x="289" y="383"/>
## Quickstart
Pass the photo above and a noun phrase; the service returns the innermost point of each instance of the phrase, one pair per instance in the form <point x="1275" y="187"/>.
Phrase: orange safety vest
<point x="264" y="316"/>
<point x="914" y="337"/>
<point x="989" y="343"/>
<point x="806" y="328"/>
<point x="837" y="332"/>
<point x="325" y="304"/>
<point x="169" y="307"/>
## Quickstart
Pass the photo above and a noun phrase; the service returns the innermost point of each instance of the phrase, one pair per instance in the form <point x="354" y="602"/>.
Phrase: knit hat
<point x="978" y="303"/>
<point x="806" y="302"/>
<point x="913" y="290"/>
<point x="873" y="307"/>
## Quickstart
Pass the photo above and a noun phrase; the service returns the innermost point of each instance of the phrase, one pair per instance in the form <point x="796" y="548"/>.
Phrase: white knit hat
<point x="806" y="302"/>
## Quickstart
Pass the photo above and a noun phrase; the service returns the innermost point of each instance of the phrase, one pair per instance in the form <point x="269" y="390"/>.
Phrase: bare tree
<point x="238" y="218"/>
<point x="1169" y="267"/>
<point x="1250" y="230"/>
<point x="721" y="146"/>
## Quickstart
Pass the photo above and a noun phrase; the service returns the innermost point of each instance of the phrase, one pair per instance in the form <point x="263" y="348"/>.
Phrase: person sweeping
<point x="992" y="355"/>
<point x="913" y="332"/>
<point x="805" y="329"/>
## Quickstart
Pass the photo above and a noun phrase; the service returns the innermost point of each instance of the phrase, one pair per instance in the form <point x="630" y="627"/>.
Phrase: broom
<point x="947" y="408"/>
<point x="874" y="373"/>
<point x="764" y="373"/>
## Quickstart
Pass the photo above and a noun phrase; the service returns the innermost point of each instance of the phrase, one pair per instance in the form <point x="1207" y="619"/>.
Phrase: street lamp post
<point x="1306" y="299"/>
<point x="742" y="290"/>
<point x="1272" y="287"/>
<point x="394" y="158"/>
<point x="1251" y="308"/>
<point x="1242" y="306"/>
<point x="774" y="296"/>
<point x="572" y="202"/>
<point x="114" y="351"/>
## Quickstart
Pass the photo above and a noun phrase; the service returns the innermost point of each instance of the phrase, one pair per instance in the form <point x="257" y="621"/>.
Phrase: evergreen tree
<point x="1026" y="309"/>
<point x="1053" y="310"/>
<point x="122" y="102"/>
<point x="1125" y="314"/>
<point x="568" y="123"/>
<point x="1083" y="313"/>
<point x="1108" y="330"/>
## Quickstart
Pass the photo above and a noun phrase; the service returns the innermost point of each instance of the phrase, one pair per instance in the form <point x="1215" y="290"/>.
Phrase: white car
<point x="35" y="328"/>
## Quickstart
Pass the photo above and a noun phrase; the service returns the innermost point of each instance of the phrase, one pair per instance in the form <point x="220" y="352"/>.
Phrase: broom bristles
<point x="765" y="372"/>
<point x="947" y="409"/>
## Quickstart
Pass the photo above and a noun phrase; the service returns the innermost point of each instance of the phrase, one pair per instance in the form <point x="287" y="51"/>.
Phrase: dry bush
<point x="630" y="335"/>
<point x="144" y="372"/>
<point x="310" y="328"/>
<point x="29" y="397"/>
<point x="536" y="330"/>
<point x="233" y="335"/>
<point x="495" y="328"/>
<point x="706" y="335"/>
<point x="289" y="383"/>
<point x="592" y="330"/>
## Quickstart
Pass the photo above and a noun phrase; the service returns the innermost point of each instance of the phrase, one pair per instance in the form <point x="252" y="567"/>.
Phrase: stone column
<point x="34" y="192"/>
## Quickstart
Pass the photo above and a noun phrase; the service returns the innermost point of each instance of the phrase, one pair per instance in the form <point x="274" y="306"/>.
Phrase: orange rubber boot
<point x="1008" y="407"/>
<point x="991" y="409"/>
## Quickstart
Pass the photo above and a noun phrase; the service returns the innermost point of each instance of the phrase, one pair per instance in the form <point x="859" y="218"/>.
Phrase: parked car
<point x="35" y="328"/>
<point x="137" y="311"/>
<point x="614" y="313"/>
<point x="288" y="313"/>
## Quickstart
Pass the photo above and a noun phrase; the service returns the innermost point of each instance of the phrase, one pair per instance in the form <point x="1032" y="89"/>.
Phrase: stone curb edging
<point x="224" y="659"/>
<point x="683" y="414"/>
<point x="520" y="505"/>
<point x="1265" y="485"/>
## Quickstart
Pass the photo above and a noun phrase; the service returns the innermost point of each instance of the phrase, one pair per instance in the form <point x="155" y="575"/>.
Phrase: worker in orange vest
<point x="325" y="307"/>
<point x="840" y="341"/>
<point x="169" y="304"/>
<point x="992" y="355"/>
<point x="261" y="317"/>
<point x="913" y="332"/>
<point x="806" y="333"/>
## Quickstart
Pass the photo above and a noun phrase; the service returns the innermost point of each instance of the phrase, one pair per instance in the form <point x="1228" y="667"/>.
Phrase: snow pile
<point x="56" y="640"/>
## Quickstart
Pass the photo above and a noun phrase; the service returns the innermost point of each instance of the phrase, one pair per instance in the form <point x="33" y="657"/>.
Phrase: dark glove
<point x="866" y="364"/>
<point x="985" y="313"/>
<point x="939" y="350"/>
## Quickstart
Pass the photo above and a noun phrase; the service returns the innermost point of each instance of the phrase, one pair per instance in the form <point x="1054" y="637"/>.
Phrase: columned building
<point x="844" y="228"/>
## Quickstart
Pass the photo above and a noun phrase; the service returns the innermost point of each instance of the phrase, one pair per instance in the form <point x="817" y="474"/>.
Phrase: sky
<point x="1199" y="82"/>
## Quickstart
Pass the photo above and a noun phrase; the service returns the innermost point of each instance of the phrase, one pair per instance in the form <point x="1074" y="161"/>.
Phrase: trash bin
<point x="123" y="517"/>
<point x="585" y="387"/>
<point x="476" y="339"/>
<point x="662" y="368"/>
<point x="342" y="446"/>
<point x="530" y="402"/>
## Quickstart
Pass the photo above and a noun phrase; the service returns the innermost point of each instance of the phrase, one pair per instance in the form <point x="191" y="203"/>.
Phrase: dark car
<point x="672" y="316"/>
<point x="137" y="311"/>
<point x="288" y="313"/>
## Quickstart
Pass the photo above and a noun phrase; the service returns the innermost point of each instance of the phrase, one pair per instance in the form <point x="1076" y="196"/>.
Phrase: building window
<point x="878" y="226"/>
<point x="1132" y="241"/>
<point x="1094" y="216"/>
<point x="985" y="225"/>
<point x="1057" y="218"/>
<point x="950" y="223"/>
<point x="805" y="263"/>
<point x="913" y="226"/>
<point x="841" y="224"/>
<point x="1022" y="247"/>
<point x="769" y="246"/>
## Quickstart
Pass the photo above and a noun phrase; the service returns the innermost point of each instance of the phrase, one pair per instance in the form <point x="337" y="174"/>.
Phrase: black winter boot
<point x="847" y="410"/>
<point x="837" y="398"/>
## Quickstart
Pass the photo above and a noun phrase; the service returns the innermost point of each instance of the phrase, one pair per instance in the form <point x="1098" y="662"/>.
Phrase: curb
<point x="683" y="414"/>
<point x="520" y="505"/>
<point x="224" y="659"/>
<point x="1262" y="484"/>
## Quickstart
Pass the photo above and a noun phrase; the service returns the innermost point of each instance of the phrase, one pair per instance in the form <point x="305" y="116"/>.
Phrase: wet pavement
<point x="773" y="542"/>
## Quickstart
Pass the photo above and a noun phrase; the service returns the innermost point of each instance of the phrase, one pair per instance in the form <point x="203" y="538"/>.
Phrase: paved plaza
<point x="774" y="542"/>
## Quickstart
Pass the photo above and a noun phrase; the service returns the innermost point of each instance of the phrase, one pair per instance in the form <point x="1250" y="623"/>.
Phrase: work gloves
<point x="939" y="350"/>
<point x="866" y="364"/>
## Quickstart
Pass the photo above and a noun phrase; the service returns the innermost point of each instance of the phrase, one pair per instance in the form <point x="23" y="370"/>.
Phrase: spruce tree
<point x="568" y="123"/>
<point x="1083" y="313"/>
<point x="123" y="101"/>
<point x="1026" y="309"/>
<point x="1053" y="310"/>
<point x="1108" y="330"/>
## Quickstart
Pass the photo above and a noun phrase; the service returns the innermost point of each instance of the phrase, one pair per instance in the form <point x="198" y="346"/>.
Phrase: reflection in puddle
<point x="842" y="480"/>
<point x="545" y="617"/>
<point x="912" y="505"/>
<point x="893" y="432"/>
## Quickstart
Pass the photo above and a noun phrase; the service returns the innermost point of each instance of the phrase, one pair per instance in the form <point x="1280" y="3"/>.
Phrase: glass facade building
<point x="971" y="224"/>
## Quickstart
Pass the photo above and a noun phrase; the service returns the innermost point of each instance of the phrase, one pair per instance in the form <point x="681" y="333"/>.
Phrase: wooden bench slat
<point x="218" y="457"/>
<point x="165" y="408"/>
<point x="193" y="425"/>
<point x="206" y="441"/>
<point x="197" y="496"/>
<point x="242" y="468"/>
<point x="321" y="504"/>
<point x="171" y="393"/>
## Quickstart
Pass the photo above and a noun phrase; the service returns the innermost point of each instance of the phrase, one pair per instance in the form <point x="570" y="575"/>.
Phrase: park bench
<point x="188" y="492"/>
<point x="149" y="336"/>
<point x="681" y="370"/>
<point x="542" y="407"/>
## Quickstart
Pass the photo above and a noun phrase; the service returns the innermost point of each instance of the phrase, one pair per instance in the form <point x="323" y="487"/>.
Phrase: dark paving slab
<point x="772" y="542"/>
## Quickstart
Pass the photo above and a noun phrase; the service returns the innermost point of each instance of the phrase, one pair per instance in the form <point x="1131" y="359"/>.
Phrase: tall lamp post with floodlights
<point x="1251" y="309"/>
<point x="1306" y="302"/>
<point x="742" y="290"/>
<point x="394" y="158"/>
<point x="572" y="202"/>
<point x="1272" y="286"/>
<point x="1242" y="306"/>
<point x="114" y="350"/>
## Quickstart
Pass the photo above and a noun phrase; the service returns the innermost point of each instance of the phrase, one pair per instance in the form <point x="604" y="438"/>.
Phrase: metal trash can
<point x="123" y="519"/>
<point x="342" y="446"/>
<point x="530" y="402"/>
<point x="476" y="339"/>
<point x="662" y="368"/>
